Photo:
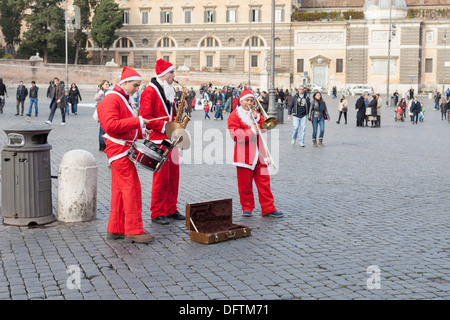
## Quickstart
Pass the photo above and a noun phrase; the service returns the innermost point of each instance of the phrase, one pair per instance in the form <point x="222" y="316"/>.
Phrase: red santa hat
<point x="162" y="67"/>
<point x="246" y="93"/>
<point x="129" y="74"/>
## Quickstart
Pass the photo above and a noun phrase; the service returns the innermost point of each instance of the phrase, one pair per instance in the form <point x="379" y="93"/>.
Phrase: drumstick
<point x="157" y="118"/>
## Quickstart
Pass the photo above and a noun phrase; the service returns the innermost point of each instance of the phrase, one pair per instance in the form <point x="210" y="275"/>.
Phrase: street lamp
<point x="67" y="49"/>
<point x="388" y="100"/>
<point x="271" y="110"/>
<point x="445" y="58"/>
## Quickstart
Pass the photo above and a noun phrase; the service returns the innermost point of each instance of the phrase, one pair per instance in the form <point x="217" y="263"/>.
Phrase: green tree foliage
<point x="45" y="25"/>
<point x="80" y="37"/>
<point x="11" y="15"/>
<point x="107" y="19"/>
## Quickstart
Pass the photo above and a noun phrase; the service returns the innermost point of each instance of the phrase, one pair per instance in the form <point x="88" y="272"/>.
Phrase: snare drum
<point x="148" y="156"/>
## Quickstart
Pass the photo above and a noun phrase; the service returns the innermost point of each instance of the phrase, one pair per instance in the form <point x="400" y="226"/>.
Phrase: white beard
<point x="169" y="90"/>
<point x="246" y="116"/>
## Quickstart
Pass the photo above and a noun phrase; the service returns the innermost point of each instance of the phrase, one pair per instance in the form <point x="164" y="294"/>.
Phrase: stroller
<point x="399" y="114"/>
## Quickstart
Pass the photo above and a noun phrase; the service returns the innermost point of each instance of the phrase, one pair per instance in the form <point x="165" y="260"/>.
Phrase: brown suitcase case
<point x="212" y="221"/>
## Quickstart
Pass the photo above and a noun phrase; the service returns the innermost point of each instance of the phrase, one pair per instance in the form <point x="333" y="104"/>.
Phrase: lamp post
<point x="249" y="43"/>
<point x="67" y="49"/>
<point x="445" y="58"/>
<point x="388" y="100"/>
<point x="272" y="110"/>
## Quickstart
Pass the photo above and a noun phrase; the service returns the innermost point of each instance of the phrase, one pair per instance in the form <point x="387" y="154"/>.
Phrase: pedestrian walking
<point x="21" y="94"/>
<point x="379" y="105"/>
<point x="3" y="93"/>
<point x="67" y="102"/>
<point x="318" y="113"/>
<point x="102" y="89"/>
<point x="402" y="105"/>
<point x="75" y="97"/>
<point x="206" y="109"/>
<point x="416" y="109"/>
<point x="34" y="92"/>
<point x="299" y="109"/>
<point x="443" y="108"/>
<point x="343" y="109"/>
<point x="57" y="101"/>
<point x="437" y="99"/>
<point x="219" y="110"/>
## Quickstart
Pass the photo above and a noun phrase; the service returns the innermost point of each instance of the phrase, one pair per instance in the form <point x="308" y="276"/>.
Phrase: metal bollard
<point x="77" y="187"/>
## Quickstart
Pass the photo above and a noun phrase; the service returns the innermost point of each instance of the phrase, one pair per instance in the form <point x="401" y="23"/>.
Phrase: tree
<point x="80" y="37"/>
<point x="45" y="26"/>
<point x="107" y="19"/>
<point x="11" y="16"/>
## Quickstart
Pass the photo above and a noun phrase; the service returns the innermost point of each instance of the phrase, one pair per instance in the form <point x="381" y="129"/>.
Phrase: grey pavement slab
<point x="370" y="197"/>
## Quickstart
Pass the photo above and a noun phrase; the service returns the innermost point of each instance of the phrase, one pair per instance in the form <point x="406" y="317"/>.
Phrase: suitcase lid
<point x="207" y="215"/>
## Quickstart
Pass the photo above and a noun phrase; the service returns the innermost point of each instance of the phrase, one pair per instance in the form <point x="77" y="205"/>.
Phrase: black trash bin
<point x="280" y="112"/>
<point x="26" y="176"/>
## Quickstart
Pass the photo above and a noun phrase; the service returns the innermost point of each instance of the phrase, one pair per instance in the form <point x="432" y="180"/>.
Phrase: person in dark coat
<point x="416" y="108"/>
<point x="74" y="95"/>
<point x="21" y="94"/>
<point x="361" y="110"/>
<point x="373" y="108"/>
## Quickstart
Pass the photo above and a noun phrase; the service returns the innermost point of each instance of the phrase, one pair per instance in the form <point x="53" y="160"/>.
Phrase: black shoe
<point x="160" y="220"/>
<point x="177" y="216"/>
<point x="16" y="114"/>
<point x="28" y="115"/>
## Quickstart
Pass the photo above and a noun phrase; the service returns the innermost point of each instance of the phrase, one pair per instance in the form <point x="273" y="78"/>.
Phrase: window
<point x="277" y="61"/>
<point x="209" y="42"/>
<point x="165" y="43"/>
<point x="255" y="15"/>
<point x="300" y="65"/>
<point x="254" y="61"/>
<point x="166" y="16"/>
<point x="379" y="66"/>
<point x="231" y="62"/>
<point x="187" y="61"/>
<point x="429" y="36"/>
<point x="279" y="14"/>
<point x="166" y="57"/>
<point x="188" y="16"/>
<point x="144" y="17"/>
<point x="210" y="16"/>
<point x="339" y="65"/>
<point x="209" y="61"/>
<point x="256" y="42"/>
<point x="124" y="43"/>
<point x="124" y="60"/>
<point x="126" y="17"/>
<point x="144" y="60"/>
<point x="231" y="15"/>
<point x="428" y="65"/>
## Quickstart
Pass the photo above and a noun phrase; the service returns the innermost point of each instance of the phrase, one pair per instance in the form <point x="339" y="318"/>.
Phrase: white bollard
<point x="77" y="187"/>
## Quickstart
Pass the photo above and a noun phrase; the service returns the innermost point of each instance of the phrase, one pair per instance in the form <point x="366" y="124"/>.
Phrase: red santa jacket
<point x="118" y="121"/>
<point x="153" y="104"/>
<point x="248" y="148"/>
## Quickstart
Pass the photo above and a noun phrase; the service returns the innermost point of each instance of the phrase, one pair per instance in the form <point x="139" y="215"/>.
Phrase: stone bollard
<point x="77" y="187"/>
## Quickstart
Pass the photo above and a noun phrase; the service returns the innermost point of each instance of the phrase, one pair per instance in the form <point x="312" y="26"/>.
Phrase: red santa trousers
<point x="261" y="176"/>
<point x="126" y="198"/>
<point x="165" y="187"/>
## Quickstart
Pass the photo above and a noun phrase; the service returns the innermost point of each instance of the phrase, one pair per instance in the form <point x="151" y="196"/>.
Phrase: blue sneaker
<point x="276" y="214"/>
<point x="247" y="213"/>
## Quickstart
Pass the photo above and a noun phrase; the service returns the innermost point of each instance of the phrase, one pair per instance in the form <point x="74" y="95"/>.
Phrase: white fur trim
<point x="134" y="78"/>
<point x="245" y="116"/>
<point x="166" y="71"/>
<point x="249" y="95"/>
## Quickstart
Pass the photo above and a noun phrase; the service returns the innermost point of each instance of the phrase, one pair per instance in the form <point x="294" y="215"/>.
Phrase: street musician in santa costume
<point x="122" y="128"/>
<point x="250" y="157"/>
<point x="157" y="100"/>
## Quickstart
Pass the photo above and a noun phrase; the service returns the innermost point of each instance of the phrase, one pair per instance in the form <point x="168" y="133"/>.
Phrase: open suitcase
<point x="212" y="221"/>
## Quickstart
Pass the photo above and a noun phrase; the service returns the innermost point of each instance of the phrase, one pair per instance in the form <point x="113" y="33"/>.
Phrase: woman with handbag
<point x="342" y="108"/>
<point x="318" y="113"/>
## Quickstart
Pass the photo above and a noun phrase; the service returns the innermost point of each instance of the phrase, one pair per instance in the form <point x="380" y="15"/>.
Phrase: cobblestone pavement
<point x="371" y="197"/>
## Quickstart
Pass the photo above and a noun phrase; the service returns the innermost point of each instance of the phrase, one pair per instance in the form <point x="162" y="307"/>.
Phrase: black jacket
<point x="416" y="107"/>
<point x="314" y="111"/>
<point x="74" y="95"/>
<point x="22" y="93"/>
<point x="360" y="104"/>
<point x="299" y="106"/>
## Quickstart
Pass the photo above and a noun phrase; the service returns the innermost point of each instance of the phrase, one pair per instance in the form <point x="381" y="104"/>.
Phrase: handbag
<point x="344" y="109"/>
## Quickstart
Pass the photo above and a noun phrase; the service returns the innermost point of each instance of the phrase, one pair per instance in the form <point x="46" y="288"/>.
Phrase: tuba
<point x="176" y="130"/>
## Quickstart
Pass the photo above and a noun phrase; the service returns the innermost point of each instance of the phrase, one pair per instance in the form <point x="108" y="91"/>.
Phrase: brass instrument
<point x="176" y="130"/>
<point x="269" y="122"/>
